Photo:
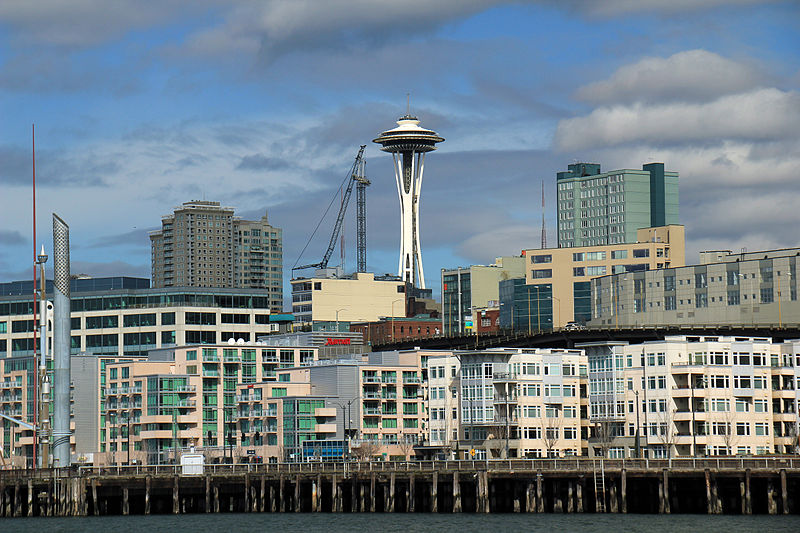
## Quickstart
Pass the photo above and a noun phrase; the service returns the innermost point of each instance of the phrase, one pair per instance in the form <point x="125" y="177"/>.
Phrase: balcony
<point x="183" y="388"/>
<point x="325" y="428"/>
<point x="415" y="380"/>
<point x="10" y="385"/>
<point x="325" y="412"/>
<point x="210" y="373"/>
<point x="504" y="377"/>
<point x="371" y="379"/>
<point x="503" y="398"/>
<point x="371" y="395"/>
<point x="372" y="411"/>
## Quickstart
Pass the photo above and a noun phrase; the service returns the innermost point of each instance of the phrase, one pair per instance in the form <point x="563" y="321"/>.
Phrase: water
<point x="404" y="523"/>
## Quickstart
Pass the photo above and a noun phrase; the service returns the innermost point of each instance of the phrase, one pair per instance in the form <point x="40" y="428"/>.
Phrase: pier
<point x="579" y="485"/>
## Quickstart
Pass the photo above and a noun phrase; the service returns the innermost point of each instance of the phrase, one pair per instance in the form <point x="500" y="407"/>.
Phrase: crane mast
<point x="356" y="176"/>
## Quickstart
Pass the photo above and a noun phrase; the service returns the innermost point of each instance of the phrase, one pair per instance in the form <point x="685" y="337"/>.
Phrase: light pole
<point x="394" y="302"/>
<point x="558" y="316"/>
<point x="43" y="383"/>
<point x="638" y="446"/>
<point x="337" y="317"/>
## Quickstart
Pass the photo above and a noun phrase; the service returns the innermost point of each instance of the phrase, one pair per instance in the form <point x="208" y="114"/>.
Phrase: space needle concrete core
<point x="408" y="143"/>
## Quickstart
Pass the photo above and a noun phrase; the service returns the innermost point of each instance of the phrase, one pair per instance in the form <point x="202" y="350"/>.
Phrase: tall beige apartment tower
<point x="202" y="244"/>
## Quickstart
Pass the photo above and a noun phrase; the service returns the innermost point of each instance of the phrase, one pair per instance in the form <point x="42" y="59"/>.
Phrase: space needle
<point x="408" y="143"/>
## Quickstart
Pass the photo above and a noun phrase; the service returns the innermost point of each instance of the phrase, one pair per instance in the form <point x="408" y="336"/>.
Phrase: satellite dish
<point x="240" y="341"/>
<point x="231" y="341"/>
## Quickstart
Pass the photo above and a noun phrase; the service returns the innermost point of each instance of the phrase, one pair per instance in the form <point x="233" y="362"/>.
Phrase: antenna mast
<point x="544" y="229"/>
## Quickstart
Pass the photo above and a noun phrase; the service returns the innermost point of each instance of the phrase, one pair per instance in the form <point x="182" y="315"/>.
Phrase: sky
<point x="142" y="105"/>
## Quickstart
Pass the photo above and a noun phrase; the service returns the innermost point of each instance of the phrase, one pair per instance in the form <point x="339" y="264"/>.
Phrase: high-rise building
<point x="597" y="208"/>
<point x="202" y="244"/>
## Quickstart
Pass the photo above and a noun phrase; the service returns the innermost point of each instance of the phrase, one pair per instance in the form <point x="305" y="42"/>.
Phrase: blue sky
<point x="261" y="105"/>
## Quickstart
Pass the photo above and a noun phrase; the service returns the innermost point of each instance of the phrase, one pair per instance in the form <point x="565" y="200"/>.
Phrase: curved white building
<point x="408" y="143"/>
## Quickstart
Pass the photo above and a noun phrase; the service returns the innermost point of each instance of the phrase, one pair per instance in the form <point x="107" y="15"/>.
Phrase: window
<point x="641" y="252"/>
<point x="542" y="273"/>
<point x="537" y="259"/>
<point x="762" y="428"/>
<point x="619" y="254"/>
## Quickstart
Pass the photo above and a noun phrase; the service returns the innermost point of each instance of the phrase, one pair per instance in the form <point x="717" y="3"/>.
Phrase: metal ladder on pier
<point x="600" y="488"/>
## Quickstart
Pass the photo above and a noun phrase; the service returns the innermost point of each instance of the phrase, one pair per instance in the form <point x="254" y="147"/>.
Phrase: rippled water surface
<point x="404" y="523"/>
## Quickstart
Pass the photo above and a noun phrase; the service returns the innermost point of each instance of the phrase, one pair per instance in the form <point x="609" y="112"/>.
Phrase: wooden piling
<point x="96" y="503"/>
<point x="175" y="496"/>
<point x="17" y="499"/>
<point x="273" y="499"/>
<point x="208" y="494"/>
<point x="125" y="508"/>
<point x="660" y="496"/>
<point x="772" y="504"/>
<point x="411" y="493"/>
<point x="354" y="494"/>
<point x="30" y="497"/>
<point x="709" y="501"/>
<point x="748" y="502"/>
<point x="372" y="493"/>
<point x="281" y="496"/>
<point x="297" y="503"/>
<point x="624" y="490"/>
<point x="784" y="493"/>
<point x="435" y="493"/>
<point x="216" y="497"/>
<point x="390" y="506"/>
<point x="456" y="493"/>
<point x="579" y="494"/>
<point x="262" y="493"/>
<point x="336" y="495"/>
<point x="530" y="498"/>
<point x="539" y="493"/>
<point x="665" y="478"/>
<point x="247" y="492"/>
<point x="570" y="497"/>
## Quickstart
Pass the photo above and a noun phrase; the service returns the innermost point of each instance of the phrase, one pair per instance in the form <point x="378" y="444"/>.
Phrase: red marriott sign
<point x="335" y="342"/>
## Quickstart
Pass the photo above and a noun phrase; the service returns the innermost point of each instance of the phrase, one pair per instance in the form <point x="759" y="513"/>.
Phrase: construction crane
<point x="356" y="176"/>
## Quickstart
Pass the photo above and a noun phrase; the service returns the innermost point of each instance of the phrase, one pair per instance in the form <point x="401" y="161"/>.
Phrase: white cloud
<point x="761" y="114"/>
<point x="693" y="75"/>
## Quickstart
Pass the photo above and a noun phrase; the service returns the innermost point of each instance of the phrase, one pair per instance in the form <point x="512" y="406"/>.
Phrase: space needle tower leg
<point x="408" y="143"/>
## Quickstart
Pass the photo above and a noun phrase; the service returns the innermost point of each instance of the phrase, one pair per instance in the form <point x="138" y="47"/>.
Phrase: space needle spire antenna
<point x="408" y="143"/>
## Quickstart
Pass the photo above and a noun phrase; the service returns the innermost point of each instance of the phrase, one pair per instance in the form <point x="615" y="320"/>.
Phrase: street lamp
<point x="43" y="384"/>
<point x="638" y="446"/>
<point x="394" y="302"/>
<point x="337" y="317"/>
<point x="558" y="316"/>
<point x="348" y="421"/>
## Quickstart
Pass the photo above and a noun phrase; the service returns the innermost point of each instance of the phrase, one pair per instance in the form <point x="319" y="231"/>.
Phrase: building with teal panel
<point x="597" y="208"/>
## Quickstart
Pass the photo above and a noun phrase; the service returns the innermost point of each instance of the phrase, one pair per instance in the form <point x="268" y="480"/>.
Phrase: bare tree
<point x="604" y="434"/>
<point x="668" y="435"/>
<point x="729" y="437"/>
<point x="550" y="434"/>
<point x="365" y="449"/>
<point x="406" y="443"/>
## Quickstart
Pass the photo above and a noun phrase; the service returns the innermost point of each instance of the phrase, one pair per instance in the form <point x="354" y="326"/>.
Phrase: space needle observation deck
<point x="408" y="143"/>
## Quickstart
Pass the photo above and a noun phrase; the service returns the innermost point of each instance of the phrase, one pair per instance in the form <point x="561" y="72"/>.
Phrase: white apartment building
<point x="509" y="402"/>
<point x="685" y="395"/>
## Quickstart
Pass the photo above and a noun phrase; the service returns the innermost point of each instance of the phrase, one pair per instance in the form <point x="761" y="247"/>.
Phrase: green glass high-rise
<point x="597" y="208"/>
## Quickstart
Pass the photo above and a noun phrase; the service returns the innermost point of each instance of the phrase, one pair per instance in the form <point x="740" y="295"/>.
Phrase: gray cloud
<point x="11" y="238"/>
<point x="136" y="238"/>
<point x="693" y="75"/>
<point x="622" y="7"/>
<point x="55" y="168"/>
<point x="261" y="162"/>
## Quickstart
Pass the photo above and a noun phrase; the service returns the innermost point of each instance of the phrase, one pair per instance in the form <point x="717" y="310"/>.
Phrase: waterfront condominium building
<point x="122" y="316"/>
<point x="558" y="280"/>
<point x="509" y="402"/>
<point x="465" y="290"/>
<point x="685" y="395"/>
<point x="202" y="244"/>
<point x="749" y="288"/>
<point x="596" y="208"/>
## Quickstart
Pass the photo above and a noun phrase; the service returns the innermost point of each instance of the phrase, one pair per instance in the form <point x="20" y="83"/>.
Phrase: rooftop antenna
<point x="544" y="229"/>
<point x="408" y="104"/>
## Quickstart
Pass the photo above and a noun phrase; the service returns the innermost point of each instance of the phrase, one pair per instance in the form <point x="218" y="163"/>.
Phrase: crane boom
<point x="337" y="227"/>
